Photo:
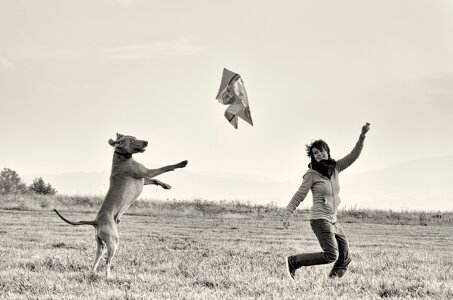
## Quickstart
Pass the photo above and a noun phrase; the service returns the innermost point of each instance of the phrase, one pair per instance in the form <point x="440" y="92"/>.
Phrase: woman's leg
<point x="325" y="232"/>
<point x="341" y="265"/>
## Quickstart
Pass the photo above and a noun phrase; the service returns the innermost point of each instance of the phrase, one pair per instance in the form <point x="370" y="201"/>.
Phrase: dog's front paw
<point x="165" y="186"/>
<point x="182" y="164"/>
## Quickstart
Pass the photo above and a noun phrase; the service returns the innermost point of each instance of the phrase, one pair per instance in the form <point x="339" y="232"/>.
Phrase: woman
<point x="322" y="180"/>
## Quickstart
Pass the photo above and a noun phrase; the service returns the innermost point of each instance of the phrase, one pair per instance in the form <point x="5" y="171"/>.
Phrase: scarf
<point x="325" y="167"/>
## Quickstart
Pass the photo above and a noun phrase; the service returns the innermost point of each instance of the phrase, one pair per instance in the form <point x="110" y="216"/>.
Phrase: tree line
<point x="11" y="183"/>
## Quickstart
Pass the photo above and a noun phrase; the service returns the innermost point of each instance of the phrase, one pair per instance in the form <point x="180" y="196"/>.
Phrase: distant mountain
<point x="186" y="185"/>
<point x="75" y="183"/>
<point x="424" y="184"/>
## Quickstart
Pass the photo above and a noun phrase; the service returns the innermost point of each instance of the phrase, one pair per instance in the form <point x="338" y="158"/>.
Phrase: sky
<point x="74" y="73"/>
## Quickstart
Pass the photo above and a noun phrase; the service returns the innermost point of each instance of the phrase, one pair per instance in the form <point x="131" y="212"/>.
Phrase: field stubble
<point x="219" y="256"/>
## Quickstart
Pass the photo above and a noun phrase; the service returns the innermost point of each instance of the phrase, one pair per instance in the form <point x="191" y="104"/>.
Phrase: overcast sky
<point x="73" y="73"/>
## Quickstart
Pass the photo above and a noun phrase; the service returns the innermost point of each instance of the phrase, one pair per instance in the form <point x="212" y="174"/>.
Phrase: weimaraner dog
<point x="126" y="183"/>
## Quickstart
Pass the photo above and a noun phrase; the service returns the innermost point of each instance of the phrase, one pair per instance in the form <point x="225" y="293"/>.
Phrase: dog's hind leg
<point x="109" y="236"/>
<point x="112" y="245"/>
<point x="99" y="253"/>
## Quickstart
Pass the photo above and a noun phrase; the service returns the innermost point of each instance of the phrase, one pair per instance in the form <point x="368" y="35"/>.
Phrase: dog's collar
<point x="127" y="155"/>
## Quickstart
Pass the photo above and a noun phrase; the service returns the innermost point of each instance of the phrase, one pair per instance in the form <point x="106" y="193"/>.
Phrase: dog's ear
<point x="111" y="142"/>
<point x="118" y="136"/>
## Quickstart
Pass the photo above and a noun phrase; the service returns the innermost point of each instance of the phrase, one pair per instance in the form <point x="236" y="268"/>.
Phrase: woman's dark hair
<point x="318" y="144"/>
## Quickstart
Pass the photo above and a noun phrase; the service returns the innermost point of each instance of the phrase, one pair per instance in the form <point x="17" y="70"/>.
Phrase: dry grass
<point x="213" y="253"/>
<point x="90" y="203"/>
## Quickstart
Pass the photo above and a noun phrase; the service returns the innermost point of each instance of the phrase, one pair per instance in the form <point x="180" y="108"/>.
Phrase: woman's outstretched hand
<point x="365" y="129"/>
<point x="285" y="219"/>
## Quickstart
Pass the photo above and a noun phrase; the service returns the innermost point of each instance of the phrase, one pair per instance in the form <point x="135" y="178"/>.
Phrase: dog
<point x="126" y="183"/>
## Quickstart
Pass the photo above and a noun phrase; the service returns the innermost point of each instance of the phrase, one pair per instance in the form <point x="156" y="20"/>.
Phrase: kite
<point x="232" y="93"/>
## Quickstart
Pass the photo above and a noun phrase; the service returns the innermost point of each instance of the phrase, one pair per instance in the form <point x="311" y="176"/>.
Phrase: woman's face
<point x="319" y="154"/>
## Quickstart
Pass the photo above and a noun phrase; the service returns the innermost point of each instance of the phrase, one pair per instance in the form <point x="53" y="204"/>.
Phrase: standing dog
<point x="126" y="183"/>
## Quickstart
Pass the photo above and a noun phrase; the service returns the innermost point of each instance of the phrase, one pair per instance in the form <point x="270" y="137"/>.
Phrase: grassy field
<point x="201" y="250"/>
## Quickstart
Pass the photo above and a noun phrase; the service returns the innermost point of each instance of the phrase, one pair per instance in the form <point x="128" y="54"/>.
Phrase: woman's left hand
<point x="285" y="219"/>
<point x="365" y="128"/>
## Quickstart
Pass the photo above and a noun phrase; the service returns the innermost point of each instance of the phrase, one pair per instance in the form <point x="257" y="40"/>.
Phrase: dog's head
<point x="128" y="145"/>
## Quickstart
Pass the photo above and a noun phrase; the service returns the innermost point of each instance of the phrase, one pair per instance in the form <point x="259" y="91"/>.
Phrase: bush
<point x="41" y="188"/>
<point x="11" y="183"/>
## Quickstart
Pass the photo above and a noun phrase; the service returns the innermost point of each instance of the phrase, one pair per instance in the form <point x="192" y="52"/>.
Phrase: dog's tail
<point x="94" y="223"/>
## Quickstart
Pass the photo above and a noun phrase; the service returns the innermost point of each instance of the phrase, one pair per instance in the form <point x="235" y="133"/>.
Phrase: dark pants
<point x="333" y="243"/>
